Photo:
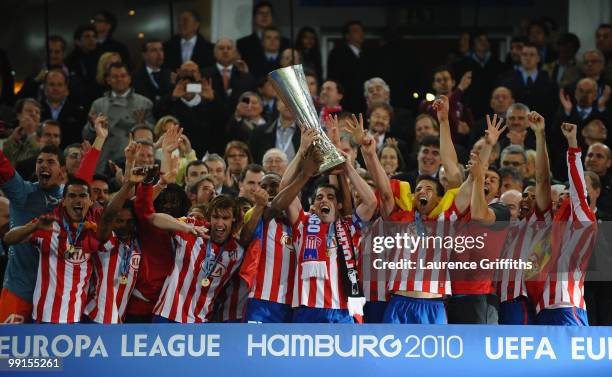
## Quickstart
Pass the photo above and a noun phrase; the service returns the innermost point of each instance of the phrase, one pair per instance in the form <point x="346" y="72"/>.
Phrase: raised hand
<point x="355" y="127"/>
<point x="536" y="121"/>
<point x="45" y="222"/>
<point x="207" y="90"/>
<point x="261" y="197"/>
<point x="368" y="145"/>
<point x="466" y="81"/>
<point x="138" y="174"/>
<point x="391" y="141"/>
<point x="494" y="129"/>
<point x="312" y="161"/>
<point x="441" y="106"/>
<point x="569" y="131"/>
<point x="170" y="176"/>
<point x="605" y="96"/>
<point x="180" y="89"/>
<point x="565" y="101"/>
<point x="131" y="150"/>
<point x="333" y="129"/>
<point x="184" y="145"/>
<point x="171" y="138"/>
<point x="101" y="126"/>
<point x="475" y="167"/>
<point x="85" y="147"/>
<point x="309" y="135"/>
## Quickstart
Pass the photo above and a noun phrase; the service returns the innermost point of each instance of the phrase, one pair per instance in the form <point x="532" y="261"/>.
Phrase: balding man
<point x="500" y="101"/>
<point x="598" y="160"/>
<point x="512" y="199"/>
<point x="227" y="80"/>
<point x="377" y="91"/>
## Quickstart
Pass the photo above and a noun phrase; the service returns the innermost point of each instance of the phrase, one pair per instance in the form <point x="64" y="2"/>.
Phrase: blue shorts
<point x="373" y="311"/>
<point x="563" y="317"/>
<point x="263" y="311"/>
<point x="518" y="311"/>
<point x="407" y="310"/>
<point x="304" y="314"/>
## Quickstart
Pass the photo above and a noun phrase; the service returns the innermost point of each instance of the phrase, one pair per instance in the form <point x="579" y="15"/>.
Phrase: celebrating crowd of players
<point x="277" y="262"/>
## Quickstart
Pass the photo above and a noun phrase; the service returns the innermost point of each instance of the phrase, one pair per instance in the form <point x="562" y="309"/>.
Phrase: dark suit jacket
<point x="202" y="53"/>
<point x="264" y="137"/>
<point x="251" y="51"/>
<point x="351" y="71"/>
<point x="143" y="84"/>
<point x="72" y="119"/>
<point x="240" y="82"/>
<point x="542" y="97"/>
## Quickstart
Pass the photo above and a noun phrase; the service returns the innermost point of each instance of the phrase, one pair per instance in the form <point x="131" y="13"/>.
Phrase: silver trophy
<point x="291" y="86"/>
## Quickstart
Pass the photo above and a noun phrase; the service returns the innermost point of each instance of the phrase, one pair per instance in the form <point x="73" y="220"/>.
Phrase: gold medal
<point x="123" y="279"/>
<point x="69" y="252"/>
<point x="205" y="282"/>
<point x="329" y="253"/>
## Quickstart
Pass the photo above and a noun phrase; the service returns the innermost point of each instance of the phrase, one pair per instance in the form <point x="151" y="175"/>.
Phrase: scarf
<point x="348" y="271"/>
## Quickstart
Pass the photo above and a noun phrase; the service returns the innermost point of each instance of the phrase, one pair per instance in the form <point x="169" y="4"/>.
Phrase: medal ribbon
<point x="207" y="266"/>
<point x="76" y="234"/>
<point x="124" y="266"/>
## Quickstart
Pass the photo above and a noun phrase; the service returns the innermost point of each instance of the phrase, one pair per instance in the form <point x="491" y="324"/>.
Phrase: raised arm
<point x="447" y="148"/>
<point x="22" y="233"/>
<point x="309" y="135"/>
<point x="542" y="166"/>
<point x="577" y="189"/>
<point x="368" y="151"/>
<point x="479" y="209"/>
<point x="285" y="199"/>
<point x="113" y="208"/>
<point x="365" y="210"/>
<point x="254" y="215"/>
<point x="87" y="167"/>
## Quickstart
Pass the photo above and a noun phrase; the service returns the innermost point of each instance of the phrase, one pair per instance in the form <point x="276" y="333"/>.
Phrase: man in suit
<point x="106" y="23"/>
<point x="83" y="61"/>
<point x="283" y="134"/>
<point x="228" y="81"/>
<point x="348" y="65"/>
<point x="188" y="44"/>
<point x="58" y="107"/>
<point x="269" y="60"/>
<point x="251" y="47"/>
<point x="152" y="80"/>
<point x="531" y="86"/>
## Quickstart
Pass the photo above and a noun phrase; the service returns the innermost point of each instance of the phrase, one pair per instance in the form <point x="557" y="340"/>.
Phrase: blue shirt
<point x="55" y="112"/>
<point x="28" y="201"/>
<point x="533" y="75"/>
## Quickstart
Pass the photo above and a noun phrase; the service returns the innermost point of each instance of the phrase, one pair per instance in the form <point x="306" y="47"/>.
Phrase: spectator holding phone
<point x="248" y="115"/>
<point x="23" y="141"/>
<point x="192" y="104"/>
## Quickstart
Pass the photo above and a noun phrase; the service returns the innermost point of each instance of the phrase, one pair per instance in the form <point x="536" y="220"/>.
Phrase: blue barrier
<point x="304" y="350"/>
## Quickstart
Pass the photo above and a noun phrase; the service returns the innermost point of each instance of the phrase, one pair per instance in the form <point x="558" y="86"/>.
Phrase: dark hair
<point x="109" y="18"/>
<point x="243" y="200"/>
<point x="496" y="171"/>
<point x="384" y="106"/>
<point x="223" y="202"/>
<point x="595" y="180"/>
<point x="477" y="33"/>
<point x="144" y="47"/>
<point x="117" y="65"/>
<point x="20" y="104"/>
<point x="176" y="194"/>
<point x="57" y="38"/>
<point x="570" y="39"/>
<point x="310" y="72"/>
<point x="194" y="14"/>
<point x="347" y="27"/>
<point x="141" y="127"/>
<point x="54" y="149"/>
<point x="146" y="142"/>
<point x="442" y="68"/>
<point x="518" y="39"/>
<point x="239" y="145"/>
<point x="315" y="52"/>
<point x="511" y="172"/>
<point x="270" y="28"/>
<point x="260" y="5"/>
<point x="425" y="177"/>
<point x="78" y="33"/>
<point x="604" y="26"/>
<point x="339" y="86"/>
<point x="73" y="181"/>
<point x="401" y="163"/>
<point x="337" y="191"/>
<point x="541" y="24"/>
<point x="255" y="168"/>
<point x="100" y="177"/>
<point x="194" y="163"/>
<point x="430" y="141"/>
<point x="48" y="122"/>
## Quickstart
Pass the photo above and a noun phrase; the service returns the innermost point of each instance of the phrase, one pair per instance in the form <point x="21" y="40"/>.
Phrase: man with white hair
<point x="275" y="160"/>
<point x="375" y="91"/>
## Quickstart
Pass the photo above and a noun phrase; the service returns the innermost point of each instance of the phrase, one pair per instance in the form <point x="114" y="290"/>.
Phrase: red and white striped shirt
<point x="276" y="273"/>
<point x="315" y="292"/>
<point x="234" y="302"/>
<point x="417" y="279"/>
<point x="62" y="284"/>
<point x="573" y="237"/>
<point x="184" y="298"/>
<point x="111" y="293"/>
<point x="523" y="237"/>
<point x="373" y="281"/>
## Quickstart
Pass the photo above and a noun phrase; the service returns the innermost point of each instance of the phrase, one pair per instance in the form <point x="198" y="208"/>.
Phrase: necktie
<point x="226" y="79"/>
<point x="156" y="78"/>
<point x="529" y="82"/>
<point x="582" y="113"/>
